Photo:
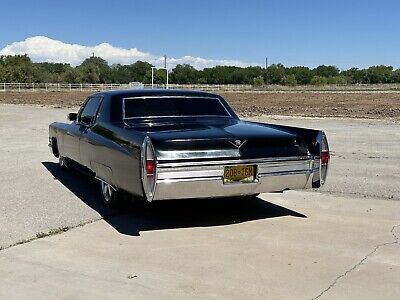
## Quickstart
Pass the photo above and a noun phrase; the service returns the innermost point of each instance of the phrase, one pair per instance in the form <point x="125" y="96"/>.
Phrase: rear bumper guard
<point x="205" y="179"/>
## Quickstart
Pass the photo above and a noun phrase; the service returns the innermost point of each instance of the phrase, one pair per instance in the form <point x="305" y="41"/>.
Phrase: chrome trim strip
<point x="190" y="179"/>
<point x="190" y="154"/>
<point x="218" y="170"/>
<point x="189" y="174"/>
<point x="300" y="172"/>
<point x="112" y="186"/>
<point x="234" y="161"/>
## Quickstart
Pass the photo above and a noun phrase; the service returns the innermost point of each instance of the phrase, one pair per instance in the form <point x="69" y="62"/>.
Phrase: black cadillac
<point x="171" y="144"/>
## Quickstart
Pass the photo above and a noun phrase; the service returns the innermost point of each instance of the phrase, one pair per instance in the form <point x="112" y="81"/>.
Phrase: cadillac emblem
<point x="238" y="143"/>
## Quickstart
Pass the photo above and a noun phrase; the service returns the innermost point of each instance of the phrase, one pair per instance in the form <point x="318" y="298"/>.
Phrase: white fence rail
<point x="23" y="87"/>
<point x="20" y="87"/>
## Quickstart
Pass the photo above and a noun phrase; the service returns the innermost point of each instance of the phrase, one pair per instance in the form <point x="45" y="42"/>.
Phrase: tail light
<point x="321" y="165"/>
<point x="324" y="156"/>
<point x="149" y="169"/>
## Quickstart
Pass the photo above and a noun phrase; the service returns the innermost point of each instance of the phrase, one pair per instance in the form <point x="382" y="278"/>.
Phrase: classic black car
<point x="171" y="144"/>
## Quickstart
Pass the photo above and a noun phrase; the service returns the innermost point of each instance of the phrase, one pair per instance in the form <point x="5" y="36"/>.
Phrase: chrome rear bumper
<point x="205" y="179"/>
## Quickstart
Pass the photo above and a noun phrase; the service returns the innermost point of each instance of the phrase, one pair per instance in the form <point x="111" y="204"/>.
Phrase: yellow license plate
<point x="240" y="173"/>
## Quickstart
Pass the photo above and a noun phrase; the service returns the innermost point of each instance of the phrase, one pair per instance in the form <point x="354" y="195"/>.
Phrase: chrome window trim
<point x="172" y="116"/>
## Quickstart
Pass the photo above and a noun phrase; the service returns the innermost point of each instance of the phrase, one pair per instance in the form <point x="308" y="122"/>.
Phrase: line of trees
<point x="20" y="68"/>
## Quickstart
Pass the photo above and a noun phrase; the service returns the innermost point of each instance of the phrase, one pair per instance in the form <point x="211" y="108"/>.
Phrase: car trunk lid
<point x="222" y="139"/>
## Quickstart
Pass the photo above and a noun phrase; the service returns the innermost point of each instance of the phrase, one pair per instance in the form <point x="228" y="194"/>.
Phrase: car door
<point x="86" y="120"/>
<point x="71" y="137"/>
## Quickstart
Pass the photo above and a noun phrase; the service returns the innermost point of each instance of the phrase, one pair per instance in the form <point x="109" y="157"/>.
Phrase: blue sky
<point x="310" y="33"/>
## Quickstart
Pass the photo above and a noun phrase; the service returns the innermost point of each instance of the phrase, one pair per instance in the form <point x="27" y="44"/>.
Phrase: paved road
<point x="341" y="242"/>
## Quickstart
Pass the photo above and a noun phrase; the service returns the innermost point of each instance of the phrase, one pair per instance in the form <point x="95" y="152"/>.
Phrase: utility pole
<point x="266" y="62"/>
<point x="152" y="77"/>
<point x="155" y="68"/>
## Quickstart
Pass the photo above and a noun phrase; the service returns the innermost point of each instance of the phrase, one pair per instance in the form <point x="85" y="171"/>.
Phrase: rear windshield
<point x="173" y="106"/>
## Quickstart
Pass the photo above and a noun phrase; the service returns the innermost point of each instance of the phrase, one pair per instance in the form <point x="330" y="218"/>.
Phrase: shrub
<point x="319" y="80"/>
<point x="258" y="81"/>
<point x="289" y="80"/>
<point x="338" y="80"/>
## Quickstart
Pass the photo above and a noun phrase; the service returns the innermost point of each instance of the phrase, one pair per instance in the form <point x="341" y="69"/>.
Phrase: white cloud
<point x="44" y="49"/>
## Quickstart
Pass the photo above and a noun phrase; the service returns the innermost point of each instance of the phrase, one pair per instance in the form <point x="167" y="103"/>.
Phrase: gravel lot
<point x="58" y="241"/>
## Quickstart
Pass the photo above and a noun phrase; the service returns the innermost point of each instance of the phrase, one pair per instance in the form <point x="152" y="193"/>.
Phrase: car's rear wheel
<point x="111" y="197"/>
<point x="62" y="161"/>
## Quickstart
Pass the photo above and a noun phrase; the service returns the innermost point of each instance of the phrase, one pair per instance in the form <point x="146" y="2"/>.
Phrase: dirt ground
<point x="371" y="105"/>
<point x="353" y="105"/>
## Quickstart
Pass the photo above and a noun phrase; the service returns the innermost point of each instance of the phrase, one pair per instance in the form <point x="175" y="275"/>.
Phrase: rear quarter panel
<point x="116" y="157"/>
<point x="309" y="135"/>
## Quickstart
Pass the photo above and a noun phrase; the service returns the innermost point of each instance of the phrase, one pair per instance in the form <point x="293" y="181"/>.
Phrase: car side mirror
<point x="72" y="116"/>
<point x="86" y="120"/>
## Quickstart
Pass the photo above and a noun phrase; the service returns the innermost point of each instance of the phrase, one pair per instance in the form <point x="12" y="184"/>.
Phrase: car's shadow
<point x="130" y="219"/>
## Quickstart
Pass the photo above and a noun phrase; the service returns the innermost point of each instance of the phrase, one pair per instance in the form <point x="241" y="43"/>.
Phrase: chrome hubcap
<point x="107" y="191"/>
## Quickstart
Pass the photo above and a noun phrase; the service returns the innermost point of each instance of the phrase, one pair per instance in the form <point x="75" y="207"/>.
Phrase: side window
<point x="88" y="113"/>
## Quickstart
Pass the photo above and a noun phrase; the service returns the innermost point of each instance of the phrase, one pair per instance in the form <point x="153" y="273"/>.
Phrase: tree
<point x="289" y="80"/>
<point x="71" y="75"/>
<point x="17" y="68"/>
<point x="51" y="72"/>
<point x="379" y="74"/>
<point x="355" y="75"/>
<point x="219" y="74"/>
<point x="20" y="68"/>
<point x="95" y="70"/>
<point x="160" y="76"/>
<point x="129" y="73"/>
<point x="138" y="70"/>
<point x="274" y="74"/>
<point x="326" y="71"/>
<point x="184" y="74"/>
<point x="396" y="76"/>
<point x="303" y="75"/>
